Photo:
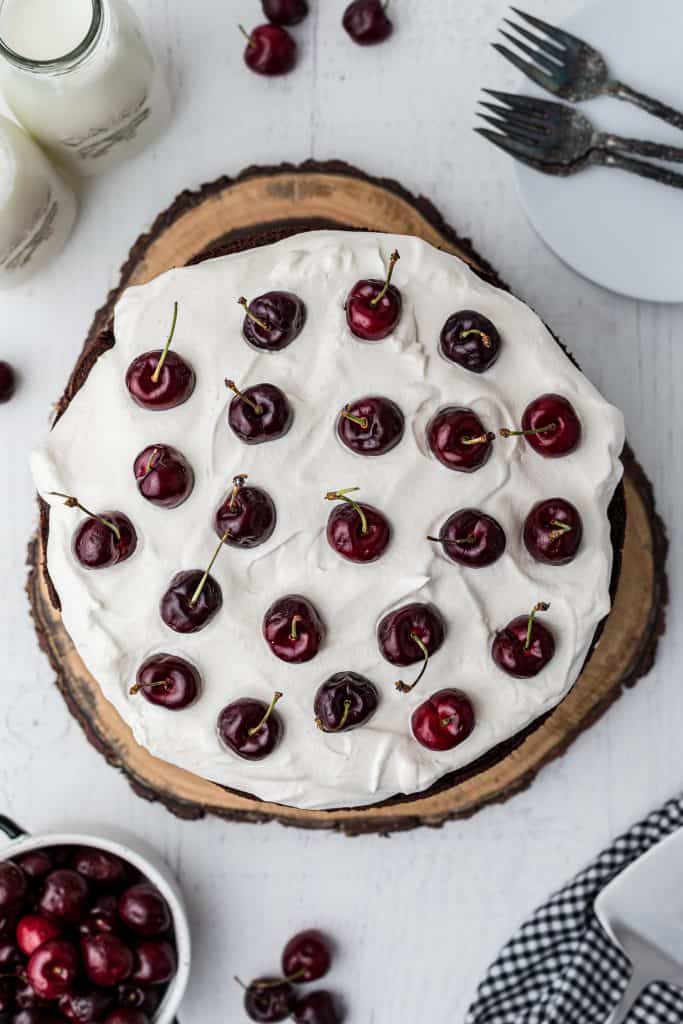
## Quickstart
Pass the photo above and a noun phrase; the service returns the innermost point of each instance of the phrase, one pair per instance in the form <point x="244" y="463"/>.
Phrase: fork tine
<point x="540" y="41"/>
<point x="565" y="39"/>
<point x="530" y="105"/>
<point x="521" y="150"/>
<point x="536" y="55"/>
<point x="519" y="133"/>
<point x="530" y="70"/>
<point x="531" y="124"/>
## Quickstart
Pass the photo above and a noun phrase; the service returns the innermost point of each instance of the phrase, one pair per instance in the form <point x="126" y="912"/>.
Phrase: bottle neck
<point x="69" y="61"/>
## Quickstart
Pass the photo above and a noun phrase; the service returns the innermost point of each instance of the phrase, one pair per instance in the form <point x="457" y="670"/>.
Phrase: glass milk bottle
<point x="79" y="76"/>
<point x="37" y="209"/>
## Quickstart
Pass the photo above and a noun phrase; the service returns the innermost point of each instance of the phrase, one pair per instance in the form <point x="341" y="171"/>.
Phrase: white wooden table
<point x="417" y="917"/>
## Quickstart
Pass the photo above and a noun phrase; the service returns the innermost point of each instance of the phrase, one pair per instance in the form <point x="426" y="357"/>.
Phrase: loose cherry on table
<point x="64" y="897"/>
<point x="444" y="720"/>
<point x="155" y="962"/>
<point x="143" y="909"/>
<point x="553" y="531"/>
<point x="366" y="21"/>
<point x="293" y="629"/>
<point x="164" y="476"/>
<point x="8" y="382"/>
<point x="33" y="930"/>
<point x="270" y="50"/>
<point x="317" y="1008"/>
<point x="161" y="379"/>
<point x="247" y="516"/>
<point x="457" y="438"/>
<point x="268" y="999"/>
<point x="103" y="539"/>
<point x="550" y="426"/>
<point x="525" y="646"/>
<point x="358" y="532"/>
<point x="272" y="321"/>
<point x="285" y="12"/>
<point x="472" y="538"/>
<point x="373" y="307"/>
<point x="260" y="413"/>
<point x="193" y="598"/>
<point x="306" y="957"/>
<point x="344" y="701"/>
<point x="82" y="1007"/>
<point x="411" y="634"/>
<point x="251" y="728"/>
<point x="370" y="426"/>
<point x="168" y="681"/>
<point x="53" y="968"/>
<point x="107" y="960"/>
<point x="470" y="340"/>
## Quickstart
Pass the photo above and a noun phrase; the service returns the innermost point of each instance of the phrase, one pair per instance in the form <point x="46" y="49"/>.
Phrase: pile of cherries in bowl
<point x="85" y="938"/>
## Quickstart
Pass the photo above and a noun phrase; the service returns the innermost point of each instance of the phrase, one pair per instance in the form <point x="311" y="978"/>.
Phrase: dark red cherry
<point x="317" y="1008"/>
<point x="87" y="1006"/>
<point x="103" y="539"/>
<point x="12" y="885"/>
<point x="99" y="865"/>
<point x="144" y="910"/>
<point x="35" y="1016"/>
<point x="270" y="50"/>
<point x="344" y="701"/>
<point x="306" y="957"/>
<point x="106" y="959"/>
<point x="136" y="997"/>
<point x="127" y="1015"/>
<point x="35" y="864"/>
<point x="246" y="517"/>
<point x="269" y="1000"/>
<point x="25" y="995"/>
<point x="553" y="531"/>
<point x="366" y="22"/>
<point x="168" y="681"/>
<point x="260" y="413"/>
<point x="11" y="958"/>
<point x="358" y="532"/>
<point x="250" y="728"/>
<point x="102" y="916"/>
<point x="164" y="475"/>
<point x="470" y="537"/>
<point x="53" y="968"/>
<point x="272" y="321"/>
<point x="8" y="382"/>
<point x="65" y="896"/>
<point x="411" y="634"/>
<point x="370" y="426"/>
<point x="33" y="930"/>
<point x="193" y="598"/>
<point x="8" y="921"/>
<point x="550" y="425"/>
<point x="155" y="962"/>
<point x="293" y="629"/>
<point x="373" y="307"/>
<point x="470" y="340"/>
<point x="8" y="987"/>
<point x="525" y="646"/>
<point x="443" y="721"/>
<point x="161" y="379"/>
<point x="285" y="12"/>
<point x="458" y="439"/>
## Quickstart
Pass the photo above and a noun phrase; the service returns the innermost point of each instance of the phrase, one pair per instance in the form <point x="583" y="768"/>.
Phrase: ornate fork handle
<point x="645" y="170"/>
<point x="654" y="149"/>
<point x="652" y="106"/>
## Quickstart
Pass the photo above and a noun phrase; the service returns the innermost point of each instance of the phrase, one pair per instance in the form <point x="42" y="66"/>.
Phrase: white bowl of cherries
<point x="91" y="932"/>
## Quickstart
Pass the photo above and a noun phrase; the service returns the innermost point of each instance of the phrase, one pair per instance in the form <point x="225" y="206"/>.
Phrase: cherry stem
<point x="251" y="42"/>
<point x="401" y="686"/>
<point x="146" y="686"/>
<point x="162" y="357"/>
<point x="360" y="421"/>
<point x="447" y="721"/>
<point x="256" y="406"/>
<point x="202" y="583"/>
<point x="343" y="496"/>
<point x="237" y="485"/>
<point x="296" y="619"/>
<point x="276" y="981"/>
<point x="252" y="316"/>
<point x="72" y="502"/>
<point x="153" y="459"/>
<point x="344" y="719"/>
<point x="560" y="529"/>
<point x="393" y="260"/>
<point x="542" y="606"/>
<point x="482" y="439"/>
<point x="485" y="340"/>
<point x="257" y="728"/>
<point x="528" y="433"/>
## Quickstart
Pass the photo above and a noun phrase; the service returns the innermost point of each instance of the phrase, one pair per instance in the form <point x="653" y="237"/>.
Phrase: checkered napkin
<point x="561" y="968"/>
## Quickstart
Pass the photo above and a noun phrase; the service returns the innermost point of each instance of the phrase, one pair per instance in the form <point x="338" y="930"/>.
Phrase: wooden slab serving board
<point x="262" y="201"/>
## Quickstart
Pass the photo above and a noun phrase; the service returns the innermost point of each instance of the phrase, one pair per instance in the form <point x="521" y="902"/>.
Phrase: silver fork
<point x="559" y="140"/>
<point x="567" y="66"/>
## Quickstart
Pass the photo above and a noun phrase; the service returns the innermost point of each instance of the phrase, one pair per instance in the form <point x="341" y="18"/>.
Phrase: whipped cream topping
<point x="112" y="615"/>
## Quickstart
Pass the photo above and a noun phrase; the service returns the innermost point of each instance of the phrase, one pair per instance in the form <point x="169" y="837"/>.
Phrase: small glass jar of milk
<point x="37" y="208"/>
<point x="80" y="77"/>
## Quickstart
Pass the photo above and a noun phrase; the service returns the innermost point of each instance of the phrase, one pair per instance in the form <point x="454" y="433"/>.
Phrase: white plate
<point x="617" y="229"/>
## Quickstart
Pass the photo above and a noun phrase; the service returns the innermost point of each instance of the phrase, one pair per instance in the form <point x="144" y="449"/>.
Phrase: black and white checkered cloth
<point x="562" y="968"/>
